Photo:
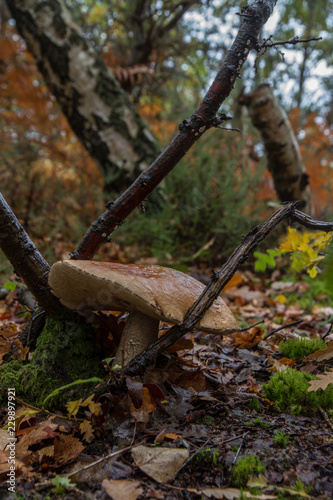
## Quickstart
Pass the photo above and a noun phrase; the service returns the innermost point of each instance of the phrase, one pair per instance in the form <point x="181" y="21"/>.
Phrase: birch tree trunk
<point x="284" y="159"/>
<point x="97" y="108"/>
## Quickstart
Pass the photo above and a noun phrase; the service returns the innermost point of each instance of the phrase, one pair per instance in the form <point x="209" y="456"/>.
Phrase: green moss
<point x="289" y="390"/>
<point x="245" y="468"/>
<point x="208" y="457"/>
<point x="281" y="438"/>
<point x="65" y="352"/>
<point x="298" y="348"/>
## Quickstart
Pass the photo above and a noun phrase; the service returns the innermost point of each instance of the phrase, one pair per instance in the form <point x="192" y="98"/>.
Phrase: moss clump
<point x="298" y="348"/>
<point x="289" y="391"/>
<point x="281" y="438"/>
<point x="65" y="352"/>
<point x="208" y="457"/>
<point x="245" y="468"/>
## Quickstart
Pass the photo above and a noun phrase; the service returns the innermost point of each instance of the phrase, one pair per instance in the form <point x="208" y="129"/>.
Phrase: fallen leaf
<point x="323" y="354"/>
<point x="247" y="339"/>
<point x="95" y="408"/>
<point x="180" y="345"/>
<point x="43" y="430"/>
<point x="229" y="494"/>
<point x="235" y="280"/>
<point x="148" y="404"/>
<point x="73" y="407"/>
<point x="87" y="431"/>
<point x="48" y="451"/>
<point x="66" y="448"/>
<point x="5" y="466"/>
<point x="324" y="379"/>
<point x="122" y="489"/>
<point x="159" y="463"/>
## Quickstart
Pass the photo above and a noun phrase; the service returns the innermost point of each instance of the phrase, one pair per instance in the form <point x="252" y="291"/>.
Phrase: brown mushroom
<point x="150" y="293"/>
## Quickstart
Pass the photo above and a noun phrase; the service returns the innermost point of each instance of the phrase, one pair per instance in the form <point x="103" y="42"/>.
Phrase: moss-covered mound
<point x="65" y="352"/>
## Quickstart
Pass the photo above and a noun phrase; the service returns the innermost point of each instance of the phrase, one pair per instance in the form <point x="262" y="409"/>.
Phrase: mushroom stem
<point x="140" y="331"/>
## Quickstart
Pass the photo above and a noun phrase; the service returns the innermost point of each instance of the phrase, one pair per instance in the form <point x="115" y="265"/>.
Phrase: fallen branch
<point x="139" y="364"/>
<point x="253" y="18"/>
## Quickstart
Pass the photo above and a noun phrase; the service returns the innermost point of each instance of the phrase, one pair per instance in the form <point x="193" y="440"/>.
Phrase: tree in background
<point x="164" y="84"/>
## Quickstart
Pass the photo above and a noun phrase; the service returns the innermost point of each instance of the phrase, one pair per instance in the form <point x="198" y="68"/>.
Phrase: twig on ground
<point x="251" y="326"/>
<point x="113" y="454"/>
<point x="328" y="331"/>
<point x="240" y="446"/>
<point x="282" y="328"/>
<point x="325" y="417"/>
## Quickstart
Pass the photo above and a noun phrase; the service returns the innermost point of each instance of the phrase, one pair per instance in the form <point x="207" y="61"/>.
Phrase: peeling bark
<point x="284" y="158"/>
<point x="98" y="110"/>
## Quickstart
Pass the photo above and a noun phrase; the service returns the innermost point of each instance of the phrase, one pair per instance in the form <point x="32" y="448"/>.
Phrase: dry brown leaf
<point x="5" y="466"/>
<point x="325" y="379"/>
<point x="66" y="448"/>
<point x="148" y="404"/>
<point x="87" y="431"/>
<point x="323" y="354"/>
<point x="180" y="345"/>
<point x="159" y="463"/>
<point x="48" y="451"/>
<point x="41" y="431"/>
<point x="248" y="338"/>
<point x="122" y="489"/>
<point x="229" y="493"/>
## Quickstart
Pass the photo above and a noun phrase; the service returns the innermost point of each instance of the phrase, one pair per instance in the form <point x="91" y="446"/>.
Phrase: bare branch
<point x="293" y="41"/>
<point x="189" y="132"/>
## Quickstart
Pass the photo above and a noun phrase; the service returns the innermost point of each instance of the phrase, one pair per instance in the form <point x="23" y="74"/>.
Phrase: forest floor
<point x="185" y="429"/>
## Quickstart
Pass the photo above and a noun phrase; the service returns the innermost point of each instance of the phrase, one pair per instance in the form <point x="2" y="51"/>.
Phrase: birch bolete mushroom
<point x="149" y="293"/>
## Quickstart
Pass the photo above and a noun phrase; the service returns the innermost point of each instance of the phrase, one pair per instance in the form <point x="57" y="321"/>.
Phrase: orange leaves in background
<point x="316" y="150"/>
<point x="152" y="112"/>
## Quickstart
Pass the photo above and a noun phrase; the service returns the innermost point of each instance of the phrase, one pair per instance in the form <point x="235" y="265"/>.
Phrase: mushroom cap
<point x="162" y="293"/>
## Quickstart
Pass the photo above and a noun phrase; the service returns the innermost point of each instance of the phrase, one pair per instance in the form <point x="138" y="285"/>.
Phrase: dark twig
<point x="282" y="328"/>
<point x="251" y="326"/>
<point x="325" y="417"/>
<point x="293" y="41"/>
<point x="240" y="446"/>
<point x="328" y="331"/>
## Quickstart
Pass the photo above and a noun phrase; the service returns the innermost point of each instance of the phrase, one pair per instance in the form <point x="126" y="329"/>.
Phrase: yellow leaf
<point x="312" y="272"/>
<point x="73" y="407"/>
<point x="93" y="407"/>
<point x="281" y="299"/>
<point x="87" y="431"/>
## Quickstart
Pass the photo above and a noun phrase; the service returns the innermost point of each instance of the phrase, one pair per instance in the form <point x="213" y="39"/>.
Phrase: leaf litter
<point x="179" y="431"/>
